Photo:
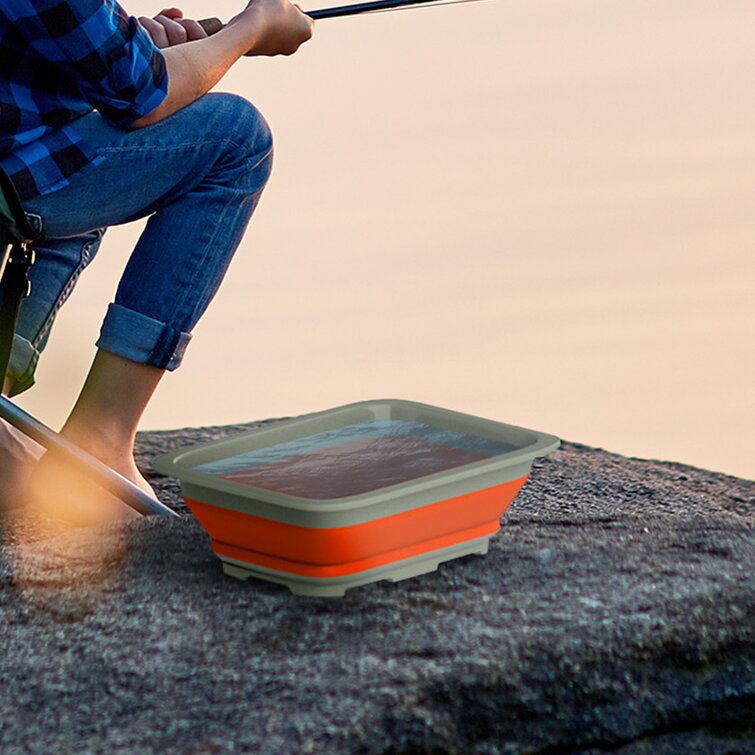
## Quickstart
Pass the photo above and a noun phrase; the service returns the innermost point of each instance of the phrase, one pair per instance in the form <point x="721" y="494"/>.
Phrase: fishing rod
<point x="368" y="7"/>
<point x="214" y="25"/>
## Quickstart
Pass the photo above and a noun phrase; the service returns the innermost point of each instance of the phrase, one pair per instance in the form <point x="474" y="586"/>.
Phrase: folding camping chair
<point x="16" y="257"/>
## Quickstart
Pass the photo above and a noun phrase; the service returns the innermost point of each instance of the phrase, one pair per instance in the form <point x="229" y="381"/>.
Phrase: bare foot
<point x="18" y="456"/>
<point x="60" y="491"/>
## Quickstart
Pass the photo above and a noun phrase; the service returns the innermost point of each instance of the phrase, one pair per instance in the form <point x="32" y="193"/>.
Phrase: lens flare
<point x="66" y="543"/>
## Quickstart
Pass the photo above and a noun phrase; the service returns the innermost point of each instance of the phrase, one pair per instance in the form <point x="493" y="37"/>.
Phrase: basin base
<point x="335" y="587"/>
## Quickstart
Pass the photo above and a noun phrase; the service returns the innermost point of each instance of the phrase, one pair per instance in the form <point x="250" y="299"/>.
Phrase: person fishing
<point x="106" y="119"/>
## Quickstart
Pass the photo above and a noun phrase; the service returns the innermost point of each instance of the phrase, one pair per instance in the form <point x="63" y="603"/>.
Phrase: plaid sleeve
<point x="112" y="58"/>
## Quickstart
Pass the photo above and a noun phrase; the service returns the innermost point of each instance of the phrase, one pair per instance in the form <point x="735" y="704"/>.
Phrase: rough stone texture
<point x="614" y="611"/>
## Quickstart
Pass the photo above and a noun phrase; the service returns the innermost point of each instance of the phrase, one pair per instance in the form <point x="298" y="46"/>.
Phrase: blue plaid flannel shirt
<point x="58" y="61"/>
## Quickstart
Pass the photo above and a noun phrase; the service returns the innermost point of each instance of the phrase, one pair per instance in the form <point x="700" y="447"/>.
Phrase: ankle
<point x="101" y="440"/>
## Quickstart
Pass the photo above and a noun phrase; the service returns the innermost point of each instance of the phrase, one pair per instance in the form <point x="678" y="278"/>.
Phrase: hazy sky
<point x="538" y="212"/>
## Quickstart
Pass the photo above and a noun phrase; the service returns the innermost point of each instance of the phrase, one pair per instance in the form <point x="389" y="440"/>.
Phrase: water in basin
<point x="355" y="458"/>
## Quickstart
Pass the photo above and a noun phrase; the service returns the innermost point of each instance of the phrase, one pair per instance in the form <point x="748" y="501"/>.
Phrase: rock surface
<point x="614" y="611"/>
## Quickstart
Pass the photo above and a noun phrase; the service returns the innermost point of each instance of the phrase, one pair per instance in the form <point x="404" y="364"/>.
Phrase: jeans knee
<point x="250" y="140"/>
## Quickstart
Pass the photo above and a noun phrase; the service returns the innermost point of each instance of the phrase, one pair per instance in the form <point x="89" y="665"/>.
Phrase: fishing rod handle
<point x="214" y="25"/>
<point x="211" y="25"/>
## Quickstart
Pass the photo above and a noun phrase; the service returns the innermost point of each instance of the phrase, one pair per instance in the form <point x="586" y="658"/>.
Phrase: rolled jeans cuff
<point x="22" y="365"/>
<point x="141" y="338"/>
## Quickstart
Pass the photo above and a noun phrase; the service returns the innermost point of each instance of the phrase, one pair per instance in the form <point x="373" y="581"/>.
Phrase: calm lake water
<point x="538" y="212"/>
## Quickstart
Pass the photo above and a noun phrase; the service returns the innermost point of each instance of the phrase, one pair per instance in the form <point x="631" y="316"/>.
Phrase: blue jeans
<point x="198" y="174"/>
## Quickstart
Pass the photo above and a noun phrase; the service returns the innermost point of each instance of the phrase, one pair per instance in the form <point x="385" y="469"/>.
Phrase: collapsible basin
<point x="383" y="489"/>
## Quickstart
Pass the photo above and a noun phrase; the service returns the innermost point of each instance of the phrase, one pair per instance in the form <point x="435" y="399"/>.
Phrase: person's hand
<point x="280" y="26"/>
<point x="169" y="28"/>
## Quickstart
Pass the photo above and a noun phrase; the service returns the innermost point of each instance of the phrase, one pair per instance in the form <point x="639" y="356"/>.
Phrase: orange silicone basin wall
<point x="337" y="551"/>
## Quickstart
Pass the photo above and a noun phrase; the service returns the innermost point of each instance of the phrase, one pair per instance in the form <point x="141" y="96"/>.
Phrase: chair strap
<point x="15" y="259"/>
<point x="14" y="286"/>
<point x="13" y="225"/>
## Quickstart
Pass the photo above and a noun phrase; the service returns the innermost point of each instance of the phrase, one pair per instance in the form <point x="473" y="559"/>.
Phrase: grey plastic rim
<point x="366" y="506"/>
<point x="335" y="587"/>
